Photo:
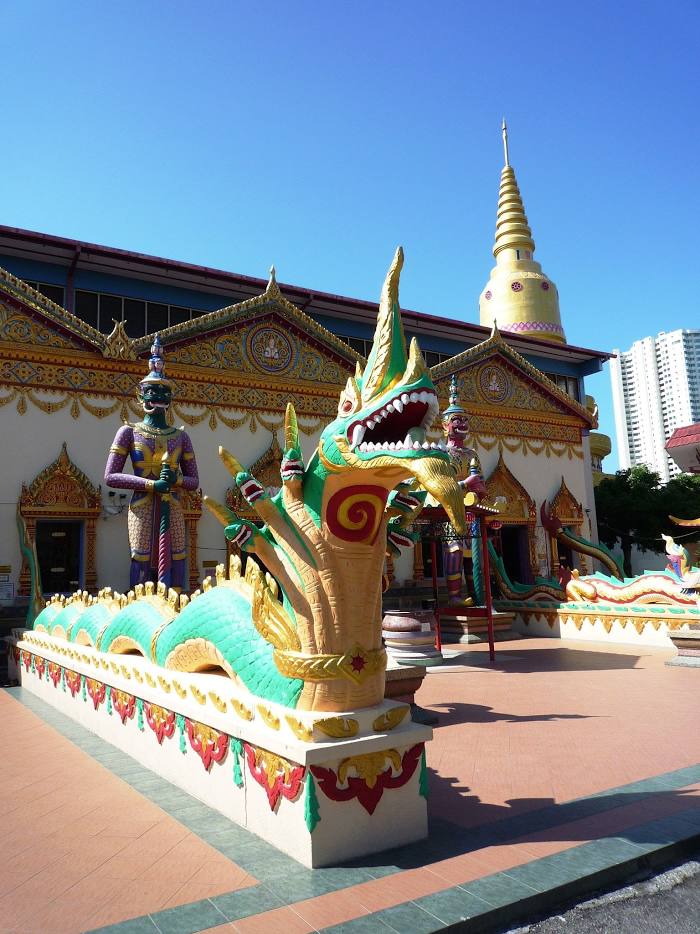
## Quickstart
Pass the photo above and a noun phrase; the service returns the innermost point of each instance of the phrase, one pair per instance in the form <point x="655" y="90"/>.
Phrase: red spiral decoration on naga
<point x="354" y="514"/>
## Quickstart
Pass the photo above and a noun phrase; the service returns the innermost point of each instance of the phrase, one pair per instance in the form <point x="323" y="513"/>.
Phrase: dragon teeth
<point x="397" y="404"/>
<point x="358" y="434"/>
<point x="405" y="398"/>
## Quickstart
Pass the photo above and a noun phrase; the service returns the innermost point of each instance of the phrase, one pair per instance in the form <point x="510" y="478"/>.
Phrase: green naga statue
<point x="308" y="633"/>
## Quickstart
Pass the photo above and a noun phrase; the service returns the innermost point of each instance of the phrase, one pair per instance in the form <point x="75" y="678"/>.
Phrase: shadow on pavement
<point x="535" y="819"/>
<point x="528" y="661"/>
<point x="449" y="714"/>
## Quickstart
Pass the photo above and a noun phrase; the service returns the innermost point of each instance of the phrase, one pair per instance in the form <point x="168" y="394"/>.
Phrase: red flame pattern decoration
<point x="209" y="744"/>
<point x="368" y="796"/>
<point x="74" y="680"/>
<point x="161" y="721"/>
<point x="124" y="704"/>
<point x="97" y="691"/>
<point x="287" y="778"/>
<point x="54" y="673"/>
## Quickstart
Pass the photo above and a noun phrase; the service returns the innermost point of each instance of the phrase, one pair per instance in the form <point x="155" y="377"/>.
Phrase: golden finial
<point x="272" y="287"/>
<point x="504" y="130"/>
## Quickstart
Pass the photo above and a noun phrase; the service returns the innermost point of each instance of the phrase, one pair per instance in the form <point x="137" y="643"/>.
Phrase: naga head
<point x="155" y="391"/>
<point x="385" y="410"/>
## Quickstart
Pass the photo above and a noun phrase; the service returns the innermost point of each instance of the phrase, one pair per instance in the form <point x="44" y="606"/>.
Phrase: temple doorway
<point x="60" y="555"/>
<point x="515" y="552"/>
<point x="65" y="505"/>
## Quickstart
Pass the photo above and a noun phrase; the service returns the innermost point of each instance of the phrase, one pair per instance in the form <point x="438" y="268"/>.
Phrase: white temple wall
<point x="34" y="441"/>
<point x="541" y="475"/>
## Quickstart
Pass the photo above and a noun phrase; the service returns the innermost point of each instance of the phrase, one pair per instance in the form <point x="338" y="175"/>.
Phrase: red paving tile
<point x="281" y="919"/>
<point x="550" y="722"/>
<point x="71" y="859"/>
<point x="587" y="715"/>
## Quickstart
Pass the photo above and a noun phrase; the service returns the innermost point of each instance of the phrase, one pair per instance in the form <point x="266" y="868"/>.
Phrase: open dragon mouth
<point x="397" y="425"/>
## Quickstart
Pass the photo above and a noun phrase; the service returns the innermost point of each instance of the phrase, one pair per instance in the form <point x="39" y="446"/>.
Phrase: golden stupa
<point x="518" y="296"/>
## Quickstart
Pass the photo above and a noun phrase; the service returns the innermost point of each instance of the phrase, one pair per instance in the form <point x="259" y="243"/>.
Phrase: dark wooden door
<point x="59" y="549"/>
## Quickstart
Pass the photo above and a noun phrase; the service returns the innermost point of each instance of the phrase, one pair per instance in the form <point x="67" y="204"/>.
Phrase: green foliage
<point x="633" y="508"/>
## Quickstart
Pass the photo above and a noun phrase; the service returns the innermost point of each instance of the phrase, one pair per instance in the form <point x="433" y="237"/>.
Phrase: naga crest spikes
<point x="387" y="360"/>
<point x="221" y="512"/>
<point x="291" y="428"/>
<point x="230" y="462"/>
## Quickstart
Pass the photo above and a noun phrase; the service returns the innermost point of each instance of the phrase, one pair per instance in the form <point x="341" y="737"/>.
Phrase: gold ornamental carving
<point x="369" y="766"/>
<point x="389" y="720"/>
<point x="300" y="730"/>
<point x="355" y="665"/>
<point x="565" y="507"/>
<point x="338" y="727"/>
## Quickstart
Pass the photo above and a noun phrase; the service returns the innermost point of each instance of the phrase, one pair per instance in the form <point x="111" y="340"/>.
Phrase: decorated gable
<point x="516" y="506"/>
<point x="266" y="345"/>
<point x="16" y="327"/>
<point x="508" y="398"/>
<point x="237" y="366"/>
<point x="565" y="507"/>
<point x="29" y="318"/>
<point x="266" y="336"/>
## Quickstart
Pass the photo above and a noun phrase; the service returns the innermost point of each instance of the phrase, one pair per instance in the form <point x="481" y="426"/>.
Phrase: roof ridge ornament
<point x="117" y="344"/>
<point x="272" y="288"/>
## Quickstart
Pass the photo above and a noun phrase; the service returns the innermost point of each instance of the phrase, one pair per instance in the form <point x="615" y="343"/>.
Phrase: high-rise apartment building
<point x="656" y="389"/>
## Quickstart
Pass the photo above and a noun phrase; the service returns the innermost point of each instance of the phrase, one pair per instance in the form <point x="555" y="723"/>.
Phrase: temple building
<point x="76" y="324"/>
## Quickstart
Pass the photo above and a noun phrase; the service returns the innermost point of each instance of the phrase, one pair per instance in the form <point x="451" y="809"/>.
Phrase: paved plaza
<point x="561" y="767"/>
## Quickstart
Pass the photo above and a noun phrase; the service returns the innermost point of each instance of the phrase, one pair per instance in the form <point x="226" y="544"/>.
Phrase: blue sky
<point x="318" y="136"/>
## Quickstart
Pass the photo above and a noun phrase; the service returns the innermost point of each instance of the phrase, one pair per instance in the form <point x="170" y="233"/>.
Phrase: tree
<point x="633" y="508"/>
<point x="681" y="498"/>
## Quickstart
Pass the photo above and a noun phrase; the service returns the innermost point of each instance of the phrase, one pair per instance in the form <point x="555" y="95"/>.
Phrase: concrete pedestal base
<point x="323" y="788"/>
<point x="687" y="641"/>
<point x="456" y="627"/>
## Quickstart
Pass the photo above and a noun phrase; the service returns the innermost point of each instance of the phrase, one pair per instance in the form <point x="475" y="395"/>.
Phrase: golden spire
<point x="512" y="228"/>
<point x="518" y="295"/>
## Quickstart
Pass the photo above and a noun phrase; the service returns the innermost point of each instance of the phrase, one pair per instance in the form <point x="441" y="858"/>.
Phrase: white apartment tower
<point x="656" y="389"/>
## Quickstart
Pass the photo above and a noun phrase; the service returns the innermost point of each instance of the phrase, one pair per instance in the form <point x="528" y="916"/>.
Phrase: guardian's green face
<point x="155" y="397"/>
